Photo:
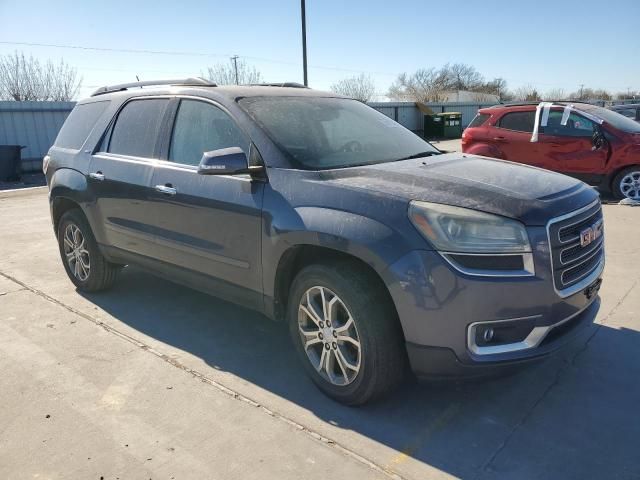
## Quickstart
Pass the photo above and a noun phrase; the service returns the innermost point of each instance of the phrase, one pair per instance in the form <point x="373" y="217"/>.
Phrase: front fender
<point x="364" y="238"/>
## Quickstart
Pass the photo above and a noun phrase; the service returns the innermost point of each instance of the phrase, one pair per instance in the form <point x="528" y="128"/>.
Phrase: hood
<point x="529" y="194"/>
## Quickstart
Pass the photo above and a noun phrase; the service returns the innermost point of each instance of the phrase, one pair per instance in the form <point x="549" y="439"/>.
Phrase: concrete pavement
<point x="152" y="380"/>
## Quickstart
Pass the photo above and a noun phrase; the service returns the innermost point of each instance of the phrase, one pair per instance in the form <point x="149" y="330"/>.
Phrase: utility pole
<point x="581" y="89"/>
<point x="235" y="66"/>
<point x="304" y="42"/>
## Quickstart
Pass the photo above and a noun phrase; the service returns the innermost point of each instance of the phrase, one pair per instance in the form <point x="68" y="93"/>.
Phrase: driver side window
<point x="202" y="127"/>
<point x="576" y="126"/>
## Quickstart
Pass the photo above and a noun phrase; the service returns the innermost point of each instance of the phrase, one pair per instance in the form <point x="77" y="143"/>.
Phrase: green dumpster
<point x="443" y="125"/>
<point x="433" y="126"/>
<point x="452" y="124"/>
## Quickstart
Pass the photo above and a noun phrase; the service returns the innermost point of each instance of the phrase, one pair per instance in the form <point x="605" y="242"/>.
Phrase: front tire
<point x="84" y="263"/>
<point x="346" y="332"/>
<point x="626" y="184"/>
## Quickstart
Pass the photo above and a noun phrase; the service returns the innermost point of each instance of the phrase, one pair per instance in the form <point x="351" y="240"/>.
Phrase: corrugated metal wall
<point x="409" y="116"/>
<point x="34" y="125"/>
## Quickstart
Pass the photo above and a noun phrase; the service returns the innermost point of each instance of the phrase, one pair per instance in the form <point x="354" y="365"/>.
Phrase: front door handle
<point x="166" y="189"/>
<point x="499" y="139"/>
<point x="97" y="176"/>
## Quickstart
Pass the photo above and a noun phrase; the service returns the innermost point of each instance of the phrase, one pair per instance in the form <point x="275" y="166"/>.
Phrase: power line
<point x="262" y="59"/>
<point x="185" y="54"/>
<point x="117" y="50"/>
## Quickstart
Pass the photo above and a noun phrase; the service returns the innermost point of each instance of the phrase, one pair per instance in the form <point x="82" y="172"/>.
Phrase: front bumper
<point x="439" y="362"/>
<point x="440" y="308"/>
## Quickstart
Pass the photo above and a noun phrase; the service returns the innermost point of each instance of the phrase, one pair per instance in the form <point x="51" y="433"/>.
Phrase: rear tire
<point x="350" y="374"/>
<point x="84" y="263"/>
<point x="626" y="184"/>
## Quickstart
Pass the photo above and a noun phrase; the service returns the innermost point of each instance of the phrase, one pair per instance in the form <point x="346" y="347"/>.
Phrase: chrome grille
<point x="571" y="260"/>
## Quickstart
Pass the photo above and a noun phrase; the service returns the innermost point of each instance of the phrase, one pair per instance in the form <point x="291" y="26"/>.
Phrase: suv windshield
<point x="322" y="133"/>
<point x="612" y="118"/>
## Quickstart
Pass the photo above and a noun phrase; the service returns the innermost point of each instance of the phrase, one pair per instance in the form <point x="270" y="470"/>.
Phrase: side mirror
<point x="598" y="139"/>
<point x="225" y="161"/>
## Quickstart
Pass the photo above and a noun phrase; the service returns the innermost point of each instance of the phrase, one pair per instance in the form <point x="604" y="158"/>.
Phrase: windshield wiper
<point x="419" y="155"/>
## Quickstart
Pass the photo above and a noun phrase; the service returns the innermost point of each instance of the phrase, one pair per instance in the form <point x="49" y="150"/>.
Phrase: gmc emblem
<point x="591" y="234"/>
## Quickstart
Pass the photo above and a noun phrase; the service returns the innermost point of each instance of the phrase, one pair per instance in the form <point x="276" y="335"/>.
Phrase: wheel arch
<point x="485" y="150"/>
<point x="59" y="206"/>
<point x="298" y="257"/>
<point x="68" y="189"/>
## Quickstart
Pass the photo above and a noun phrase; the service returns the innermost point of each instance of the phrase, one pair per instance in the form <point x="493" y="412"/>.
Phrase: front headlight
<point x="461" y="230"/>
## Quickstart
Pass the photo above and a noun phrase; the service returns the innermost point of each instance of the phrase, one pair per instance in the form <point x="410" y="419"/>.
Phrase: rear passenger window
<point x="201" y="127"/>
<point x="136" y="129"/>
<point x="519" y="121"/>
<point x="479" y="120"/>
<point x="79" y="124"/>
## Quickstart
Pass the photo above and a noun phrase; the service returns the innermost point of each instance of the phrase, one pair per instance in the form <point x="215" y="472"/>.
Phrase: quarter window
<point x="135" y="132"/>
<point x="519" y="121"/>
<point x="479" y="120"/>
<point x="201" y="127"/>
<point x="79" y="124"/>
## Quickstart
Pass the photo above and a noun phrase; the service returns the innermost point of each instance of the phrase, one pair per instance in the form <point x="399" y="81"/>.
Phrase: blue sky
<point x="548" y="44"/>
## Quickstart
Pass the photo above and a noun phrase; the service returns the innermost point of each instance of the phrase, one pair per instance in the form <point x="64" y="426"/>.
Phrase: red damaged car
<point x="596" y="145"/>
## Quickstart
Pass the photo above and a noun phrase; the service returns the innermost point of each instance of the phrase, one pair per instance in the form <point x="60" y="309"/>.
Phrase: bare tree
<point x="61" y="81"/>
<point x="602" y="94"/>
<point x="225" y="73"/>
<point x="432" y="85"/>
<point x="497" y="86"/>
<point x="554" y="94"/>
<point x="360" y="87"/>
<point x="425" y="85"/>
<point x="526" y="93"/>
<point x="591" y="94"/>
<point x="460" y="76"/>
<point x="23" y="79"/>
<point x="629" y="94"/>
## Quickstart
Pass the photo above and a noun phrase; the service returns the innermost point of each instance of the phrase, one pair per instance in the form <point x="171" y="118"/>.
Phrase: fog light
<point x="487" y="335"/>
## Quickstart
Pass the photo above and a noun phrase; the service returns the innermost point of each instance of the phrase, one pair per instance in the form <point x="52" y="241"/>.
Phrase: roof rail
<point x="283" y="84"/>
<point x="533" y="102"/>
<point x="193" y="82"/>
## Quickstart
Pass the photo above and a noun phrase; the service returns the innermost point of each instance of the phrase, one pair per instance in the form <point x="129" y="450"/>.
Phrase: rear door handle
<point x="166" y="189"/>
<point x="499" y="139"/>
<point x="97" y="176"/>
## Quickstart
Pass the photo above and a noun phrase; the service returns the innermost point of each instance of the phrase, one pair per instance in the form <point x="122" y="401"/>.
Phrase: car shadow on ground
<point x="454" y="427"/>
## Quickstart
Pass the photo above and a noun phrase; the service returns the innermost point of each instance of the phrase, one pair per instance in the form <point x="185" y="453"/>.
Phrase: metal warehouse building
<point x="34" y="125"/>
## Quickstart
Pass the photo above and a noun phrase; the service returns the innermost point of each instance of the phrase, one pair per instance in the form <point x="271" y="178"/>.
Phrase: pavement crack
<point x="570" y="362"/>
<point x="2" y="294"/>
<point x="222" y="388"/>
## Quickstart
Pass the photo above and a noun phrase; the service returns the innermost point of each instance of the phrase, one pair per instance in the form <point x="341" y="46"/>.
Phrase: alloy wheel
<point x="76" y="253"/>
<point x="329" y="336"/>
<point x="630" y="185"/>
